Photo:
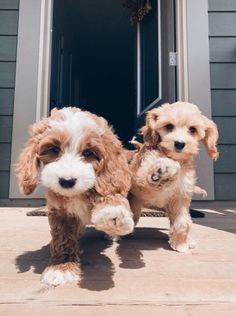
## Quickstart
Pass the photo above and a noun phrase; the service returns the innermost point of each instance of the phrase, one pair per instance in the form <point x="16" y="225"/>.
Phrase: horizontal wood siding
<point x="4" y="184"/>
<point x="6" y="129"/>
<point x="222" y="5"/>
<point x="9" y="22"/>
<point x="7" y="74"/>
<point x="224" y="102"/>
<point x="222" y="41"/>
<point x="222" y="24"/>
<point x="6" y="101"/>
<point x="5" y="150"/>
<point x="227" y="159"/>
<point x="9" y="11"/>
<point x="227" y="128"/>
<point x="225" y="186"/>
<point x="9" y="4"/>
<point x="8" y="48"/>
<point x="223" y="49"/>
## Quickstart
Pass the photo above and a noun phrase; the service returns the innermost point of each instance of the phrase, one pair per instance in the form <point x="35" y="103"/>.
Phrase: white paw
<point x="191" y="243"/>
<point x="54" y="276"/>
<point x="164" y="170"/>
<point x="183" y="247"/>
<point x="113" y="220"/>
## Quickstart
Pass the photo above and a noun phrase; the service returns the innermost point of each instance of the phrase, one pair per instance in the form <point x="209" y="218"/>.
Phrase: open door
<point x="156" y="67"/>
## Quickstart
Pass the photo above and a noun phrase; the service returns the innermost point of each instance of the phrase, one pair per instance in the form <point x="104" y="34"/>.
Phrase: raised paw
<point x="113" y="220"/>
<point x="163" y="171"/>
<point x="61" y="273"/>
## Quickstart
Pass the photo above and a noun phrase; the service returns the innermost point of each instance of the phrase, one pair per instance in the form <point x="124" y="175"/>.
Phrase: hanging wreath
<point x="138" y="9"/>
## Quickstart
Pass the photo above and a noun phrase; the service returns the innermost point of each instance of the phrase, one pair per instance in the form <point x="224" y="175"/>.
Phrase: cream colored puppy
<point x="163" y="168"/>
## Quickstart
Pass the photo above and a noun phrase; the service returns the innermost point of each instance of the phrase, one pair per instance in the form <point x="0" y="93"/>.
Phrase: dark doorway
<point x="94" y="61"/>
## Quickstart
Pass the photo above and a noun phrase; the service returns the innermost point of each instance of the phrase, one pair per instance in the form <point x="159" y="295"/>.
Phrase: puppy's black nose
<point x="179" y="145"/>
<point x="67" y="183"/>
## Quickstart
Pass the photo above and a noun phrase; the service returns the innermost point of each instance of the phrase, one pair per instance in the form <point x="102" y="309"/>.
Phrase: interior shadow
<point x="130" y="248"/>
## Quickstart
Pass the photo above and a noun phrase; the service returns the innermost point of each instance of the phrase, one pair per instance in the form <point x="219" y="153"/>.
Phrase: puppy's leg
<point x="180" y="223"/>
<point x="113" y="216"/>
<point x="64" y="263"/>
<point x="200" y="191"/>
<point x="136" y="207"/>
<point x="162" y="171"/>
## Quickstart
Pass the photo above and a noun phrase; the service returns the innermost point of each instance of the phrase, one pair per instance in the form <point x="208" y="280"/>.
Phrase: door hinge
<point x="172" y="59"/>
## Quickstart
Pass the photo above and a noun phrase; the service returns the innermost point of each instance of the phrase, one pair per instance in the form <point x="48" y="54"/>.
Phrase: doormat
<point x="146" y="212"/>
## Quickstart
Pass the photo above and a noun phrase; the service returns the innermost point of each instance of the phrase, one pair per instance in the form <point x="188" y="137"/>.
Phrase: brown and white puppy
<point x="163" y="168"/>
<point x="83" y="168"/>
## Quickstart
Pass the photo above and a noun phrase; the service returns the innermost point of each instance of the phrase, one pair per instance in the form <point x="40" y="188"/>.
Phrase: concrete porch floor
<point x="138" y="275"/>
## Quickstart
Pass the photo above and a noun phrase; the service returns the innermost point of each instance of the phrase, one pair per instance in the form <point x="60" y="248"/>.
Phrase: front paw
<point x="164" y="171"/>
<point x="61" y="273"/>
<point x="113" y="220"/>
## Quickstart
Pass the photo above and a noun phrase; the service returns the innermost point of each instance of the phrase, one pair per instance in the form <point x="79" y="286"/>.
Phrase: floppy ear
<point x="28" y="164"/>
<point x="150" y="130"/>
<point x="114" y="176"/>
<point x="211" y="138"/>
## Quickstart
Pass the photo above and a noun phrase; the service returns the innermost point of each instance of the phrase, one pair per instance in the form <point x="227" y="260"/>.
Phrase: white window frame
<point x="33" y="73"/>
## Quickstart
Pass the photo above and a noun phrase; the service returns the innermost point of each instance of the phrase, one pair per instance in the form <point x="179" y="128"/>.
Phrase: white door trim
<point x="43" y="93"/>
<point x="181" y="47"/>
<point x="193" y="72"/>
<point x="32" y="77"/>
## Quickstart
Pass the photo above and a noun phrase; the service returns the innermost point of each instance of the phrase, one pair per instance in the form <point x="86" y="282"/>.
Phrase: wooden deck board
<point x="139" y="274"/>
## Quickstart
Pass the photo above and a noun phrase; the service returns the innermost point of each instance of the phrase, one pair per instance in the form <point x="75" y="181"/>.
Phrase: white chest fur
<point x="75" y="206"/>
<point x="160" y="196"/>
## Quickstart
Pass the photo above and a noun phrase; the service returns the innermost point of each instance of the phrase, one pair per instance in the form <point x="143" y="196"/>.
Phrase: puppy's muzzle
<point x="179" y="145"/>
<point x="67" y="183"/>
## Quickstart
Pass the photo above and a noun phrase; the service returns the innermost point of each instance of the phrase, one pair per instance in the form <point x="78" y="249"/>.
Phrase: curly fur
<point x="164" y="175"/>
<point x="78" y="146"/>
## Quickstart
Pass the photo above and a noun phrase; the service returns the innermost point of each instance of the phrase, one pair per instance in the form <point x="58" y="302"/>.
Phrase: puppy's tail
<point x="135" y="143"/>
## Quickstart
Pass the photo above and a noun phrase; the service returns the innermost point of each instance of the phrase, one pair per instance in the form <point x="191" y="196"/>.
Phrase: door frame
<point x="166" y="44"/>
<point x="193" y="73"/>
<point x="32" y="83"/>
<point x="139" y="112"/>
<point x="33" y="72"/>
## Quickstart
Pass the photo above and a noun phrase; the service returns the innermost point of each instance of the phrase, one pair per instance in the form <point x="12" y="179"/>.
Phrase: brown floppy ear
<point x="114" y="176"/>
<point x="211" y="138"/>
<point x="28" y="163"/>
<point x="149" y="130"/>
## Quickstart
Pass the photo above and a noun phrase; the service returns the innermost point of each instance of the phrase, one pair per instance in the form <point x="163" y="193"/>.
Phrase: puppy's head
<point x="72" y="152"/>
<point x="178" y="129"/>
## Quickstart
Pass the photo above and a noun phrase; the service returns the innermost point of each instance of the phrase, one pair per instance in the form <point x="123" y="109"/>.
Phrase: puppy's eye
<point x="56" y="150"/>
<point x="170" y="127"/>
<point x="192" y="129"/>
<point x="89" y="153"/>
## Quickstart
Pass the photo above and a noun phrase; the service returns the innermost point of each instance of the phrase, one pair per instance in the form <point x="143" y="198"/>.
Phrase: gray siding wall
<point x="9" y="10"/>
<point x="222" y="28"/>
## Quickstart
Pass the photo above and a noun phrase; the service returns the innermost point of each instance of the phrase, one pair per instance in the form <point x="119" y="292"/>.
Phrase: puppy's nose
<point x="67" y="183"/>
<point x="179" y="145"/>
